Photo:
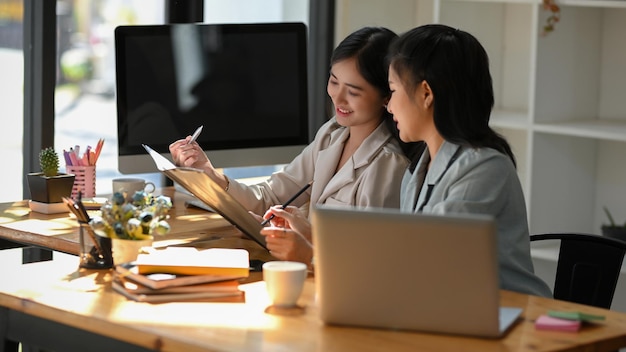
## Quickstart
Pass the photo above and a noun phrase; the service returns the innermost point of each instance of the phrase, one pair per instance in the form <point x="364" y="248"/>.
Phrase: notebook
<point x="381" y="268"/>
<point x="199" y="184"/>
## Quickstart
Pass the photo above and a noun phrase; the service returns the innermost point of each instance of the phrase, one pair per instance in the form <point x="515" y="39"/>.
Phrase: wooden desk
<point x="41" y="301"/>
<point x="59" y="232"/>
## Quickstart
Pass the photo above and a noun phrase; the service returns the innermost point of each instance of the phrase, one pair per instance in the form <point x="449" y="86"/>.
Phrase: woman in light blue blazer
<point x="442" y="94"/>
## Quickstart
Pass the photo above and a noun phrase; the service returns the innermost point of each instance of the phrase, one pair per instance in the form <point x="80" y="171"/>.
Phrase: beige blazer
<point x="371" y="178"/>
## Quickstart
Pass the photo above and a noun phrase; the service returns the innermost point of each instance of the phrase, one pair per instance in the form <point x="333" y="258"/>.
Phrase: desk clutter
<point x="182" y="273"/>
<point x="565" y="320"/>
<point x="83" y="167"/>
<point x="121" y="229"/>
<point x="48" y="187"/>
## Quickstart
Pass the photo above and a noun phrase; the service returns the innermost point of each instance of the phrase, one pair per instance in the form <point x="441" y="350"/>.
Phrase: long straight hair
<point x="369" y="47"/>
<point x="456" y="67"/>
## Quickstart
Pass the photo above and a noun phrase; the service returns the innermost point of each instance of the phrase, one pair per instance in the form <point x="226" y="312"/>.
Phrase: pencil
<point x="288" y="202"/>
<point x="98" y="150"/>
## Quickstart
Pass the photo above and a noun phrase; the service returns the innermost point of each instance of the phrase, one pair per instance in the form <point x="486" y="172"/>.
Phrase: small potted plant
<point x="612" y="229"/>
<point x="49" y="185"/>
<point x="132" y="224"/>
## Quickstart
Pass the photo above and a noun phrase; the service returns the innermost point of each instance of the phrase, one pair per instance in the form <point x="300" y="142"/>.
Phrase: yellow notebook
<point x="191" y="261"/>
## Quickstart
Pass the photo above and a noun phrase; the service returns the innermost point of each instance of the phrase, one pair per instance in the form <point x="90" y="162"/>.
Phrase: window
<point x="85" y="105"/>
<point x="11" y="93"/>
<point x="82" y="73"/>
<point x="85" y="88"/>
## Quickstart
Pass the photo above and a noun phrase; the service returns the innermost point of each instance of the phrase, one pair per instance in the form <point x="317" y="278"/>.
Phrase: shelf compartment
<point x="505" y="31"/>
<point x="578" y="66"/>
<point x="603" y="129"/>
<point x="563" y="186"/>
<point x="594" y="3"/>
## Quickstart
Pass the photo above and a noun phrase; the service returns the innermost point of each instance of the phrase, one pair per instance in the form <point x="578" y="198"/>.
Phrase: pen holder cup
<point x="84" y="181"/>
<point x="95" y="250"/>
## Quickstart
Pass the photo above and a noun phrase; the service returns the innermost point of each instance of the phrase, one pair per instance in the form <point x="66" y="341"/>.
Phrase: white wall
<point x="397" y="15"/>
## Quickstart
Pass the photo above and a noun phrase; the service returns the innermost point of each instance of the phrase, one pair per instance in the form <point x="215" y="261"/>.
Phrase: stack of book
<point x="182" y="273"/>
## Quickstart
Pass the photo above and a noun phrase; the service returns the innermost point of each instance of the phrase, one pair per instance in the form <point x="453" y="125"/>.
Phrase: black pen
<point x="288" y="202"/>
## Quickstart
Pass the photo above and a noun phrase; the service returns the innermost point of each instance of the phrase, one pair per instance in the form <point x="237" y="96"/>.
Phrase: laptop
<point x="381" y="268"/>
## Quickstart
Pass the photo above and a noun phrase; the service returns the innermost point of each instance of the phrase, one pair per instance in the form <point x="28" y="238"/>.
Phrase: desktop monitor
<point x="245" y="83"/>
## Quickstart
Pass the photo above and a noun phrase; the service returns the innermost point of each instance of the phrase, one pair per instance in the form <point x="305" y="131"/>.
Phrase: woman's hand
<point x="290" y="217"/>
<point x="286" y="244"/>
<point x="288" y="236"/>
<point x="189" y="154"/>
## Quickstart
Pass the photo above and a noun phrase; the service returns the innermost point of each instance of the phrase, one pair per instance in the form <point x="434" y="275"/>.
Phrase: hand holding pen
<point x="289" y="201"/>
<point x="195" y="135"/>
<point x="182" y="150"/>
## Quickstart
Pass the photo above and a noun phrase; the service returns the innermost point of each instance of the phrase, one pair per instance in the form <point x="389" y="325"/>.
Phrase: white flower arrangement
<point x="139" y="219"/>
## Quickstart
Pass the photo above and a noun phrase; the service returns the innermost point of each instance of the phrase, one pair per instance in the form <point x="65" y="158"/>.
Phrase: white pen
<point x="195" y="135"/>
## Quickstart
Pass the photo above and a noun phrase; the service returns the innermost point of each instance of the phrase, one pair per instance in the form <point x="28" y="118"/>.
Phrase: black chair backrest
<point x="588" y="267"/>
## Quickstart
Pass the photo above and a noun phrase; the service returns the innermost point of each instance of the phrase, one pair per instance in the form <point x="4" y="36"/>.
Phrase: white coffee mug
<point x="129" y="186"/>
<point x="284" y="281"/>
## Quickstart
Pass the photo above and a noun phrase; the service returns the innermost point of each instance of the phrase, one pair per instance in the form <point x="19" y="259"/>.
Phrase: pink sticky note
<point x="545" y="322"/>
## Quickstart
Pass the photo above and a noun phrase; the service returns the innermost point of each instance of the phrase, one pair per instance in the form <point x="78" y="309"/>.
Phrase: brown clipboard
<point x="198" y="183"/>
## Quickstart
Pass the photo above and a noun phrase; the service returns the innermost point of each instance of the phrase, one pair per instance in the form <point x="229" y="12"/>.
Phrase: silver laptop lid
<point x="386" y="269"/>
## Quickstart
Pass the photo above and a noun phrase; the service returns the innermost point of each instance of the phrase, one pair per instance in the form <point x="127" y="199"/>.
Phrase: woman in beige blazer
<point x="355" y="159"/>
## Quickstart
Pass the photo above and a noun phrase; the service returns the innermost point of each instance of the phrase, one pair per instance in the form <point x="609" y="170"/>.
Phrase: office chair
<point x="588" y="267"/>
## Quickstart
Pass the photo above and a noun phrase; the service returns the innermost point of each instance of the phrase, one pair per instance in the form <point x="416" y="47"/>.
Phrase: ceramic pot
<point x="618" y="232"/>
<point x="46" y="189"/>
<point x="125" y="251"/>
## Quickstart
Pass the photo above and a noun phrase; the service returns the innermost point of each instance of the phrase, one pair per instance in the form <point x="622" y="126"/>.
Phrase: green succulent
<point x="49" y="162"/>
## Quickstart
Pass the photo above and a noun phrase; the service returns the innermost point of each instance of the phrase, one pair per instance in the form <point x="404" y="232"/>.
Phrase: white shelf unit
<point x="560" y="100"/>
<point x="561" y="103"/>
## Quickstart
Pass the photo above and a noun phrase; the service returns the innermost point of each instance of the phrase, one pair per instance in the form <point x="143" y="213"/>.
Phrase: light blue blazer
<point x="480" y="181"/>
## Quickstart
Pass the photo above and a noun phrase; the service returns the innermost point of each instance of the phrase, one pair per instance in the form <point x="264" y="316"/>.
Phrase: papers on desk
<point x="163" y="281"/>
<point x="131" y="290"/>
<point x="546" y="322"/>
<point x="94" y="203"/>
<point x="564" y="321"/>
<point x="580" y="316"/>
<point x="198" y="183"/>
<point x="182" y="273"/>
<point x="215" y="287"/>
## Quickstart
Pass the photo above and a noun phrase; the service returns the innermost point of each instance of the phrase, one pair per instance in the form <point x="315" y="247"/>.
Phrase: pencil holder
<point x="84" y="181"/>
<point x="95" y="250"/>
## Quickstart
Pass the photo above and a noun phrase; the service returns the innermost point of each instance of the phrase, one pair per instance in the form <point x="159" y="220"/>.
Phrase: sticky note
<point x="574" y="315"/>
<point x="545" y="322"/>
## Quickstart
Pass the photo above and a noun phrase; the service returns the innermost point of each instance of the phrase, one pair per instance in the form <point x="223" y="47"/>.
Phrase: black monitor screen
<point x="245" y="83"/>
